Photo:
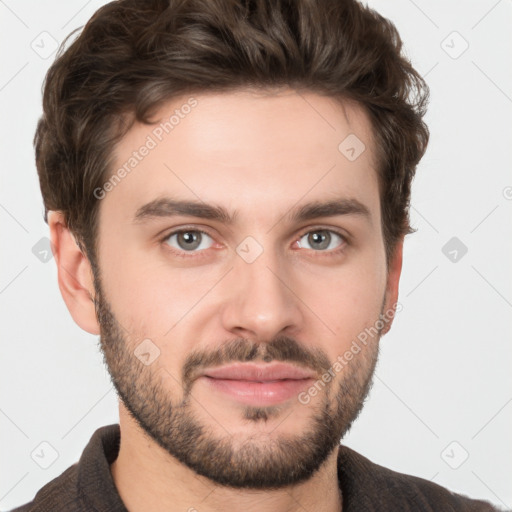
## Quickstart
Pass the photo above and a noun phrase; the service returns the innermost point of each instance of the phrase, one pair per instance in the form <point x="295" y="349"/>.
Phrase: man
<point x="227" y="187"/>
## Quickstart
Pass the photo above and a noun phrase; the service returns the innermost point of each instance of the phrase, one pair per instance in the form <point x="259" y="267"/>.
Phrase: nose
<point x="260" y="302"/>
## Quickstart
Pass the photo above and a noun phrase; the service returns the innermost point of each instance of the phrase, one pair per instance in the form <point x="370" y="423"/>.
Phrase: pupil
<point x="189" y="239"/>
<point x="320" y="238"/>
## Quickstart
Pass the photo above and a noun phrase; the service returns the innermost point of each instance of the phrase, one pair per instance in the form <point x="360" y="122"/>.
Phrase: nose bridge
<point x="260" y="302"/>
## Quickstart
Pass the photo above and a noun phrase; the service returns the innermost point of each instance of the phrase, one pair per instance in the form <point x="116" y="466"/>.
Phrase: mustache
<point x="281" y="348"/>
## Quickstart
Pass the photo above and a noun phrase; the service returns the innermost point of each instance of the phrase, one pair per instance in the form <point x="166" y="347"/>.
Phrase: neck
<point x="149" y="479"/>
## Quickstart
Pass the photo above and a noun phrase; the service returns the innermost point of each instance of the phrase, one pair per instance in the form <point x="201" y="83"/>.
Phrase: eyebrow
<point x="168" y="207"/>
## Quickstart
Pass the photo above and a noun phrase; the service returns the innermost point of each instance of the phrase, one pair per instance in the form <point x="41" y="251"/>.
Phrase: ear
<point x="75" y="275"/>
<point x="393" y="280"/>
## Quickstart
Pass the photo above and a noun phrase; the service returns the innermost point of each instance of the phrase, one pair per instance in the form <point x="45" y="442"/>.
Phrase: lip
<point x="259" y="373"/>
<point x="258" y="385"/>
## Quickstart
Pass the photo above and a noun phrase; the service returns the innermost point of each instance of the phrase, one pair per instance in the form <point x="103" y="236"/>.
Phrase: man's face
<point x="269" y="289"/>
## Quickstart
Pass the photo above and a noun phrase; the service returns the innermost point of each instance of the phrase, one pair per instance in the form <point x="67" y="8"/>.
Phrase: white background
<point x="444" y="373"/>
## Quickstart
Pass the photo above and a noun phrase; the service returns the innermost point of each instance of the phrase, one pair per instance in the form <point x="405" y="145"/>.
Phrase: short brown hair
<point x="133" y="56"/>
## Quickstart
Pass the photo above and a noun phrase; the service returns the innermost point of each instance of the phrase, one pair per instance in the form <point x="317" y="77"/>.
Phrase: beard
<point x="262" y="461"/>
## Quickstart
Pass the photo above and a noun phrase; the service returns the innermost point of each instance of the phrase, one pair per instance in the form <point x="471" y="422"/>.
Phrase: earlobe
<point x="393" y="280"/>
<point x="75" y="275"/>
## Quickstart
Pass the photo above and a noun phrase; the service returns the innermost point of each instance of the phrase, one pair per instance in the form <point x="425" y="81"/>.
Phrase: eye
<point x="321" y="240"/>
<point x="189" y="240"/>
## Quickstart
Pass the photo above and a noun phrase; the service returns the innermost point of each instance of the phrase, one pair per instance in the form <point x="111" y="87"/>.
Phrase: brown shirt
<point x="88" y="485"/>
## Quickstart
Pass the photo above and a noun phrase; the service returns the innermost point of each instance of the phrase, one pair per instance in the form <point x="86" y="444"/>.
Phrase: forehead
<point x="248" y="150"/>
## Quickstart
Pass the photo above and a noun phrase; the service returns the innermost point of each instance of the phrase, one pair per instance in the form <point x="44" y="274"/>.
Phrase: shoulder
<point x="59" y="495"/>
<point x="86" y="485"/>
<point x="374" y="487"/>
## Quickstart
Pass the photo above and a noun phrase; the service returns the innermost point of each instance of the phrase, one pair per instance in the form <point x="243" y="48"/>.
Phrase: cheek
<point x="347" y="302"/>
<point x="149" y="296"/>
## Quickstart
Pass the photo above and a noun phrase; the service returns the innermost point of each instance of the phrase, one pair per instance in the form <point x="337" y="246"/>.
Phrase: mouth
<point x="258" y="385"/>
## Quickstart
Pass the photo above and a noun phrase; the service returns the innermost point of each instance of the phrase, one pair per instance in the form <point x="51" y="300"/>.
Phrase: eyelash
<point x="198" y="254"/>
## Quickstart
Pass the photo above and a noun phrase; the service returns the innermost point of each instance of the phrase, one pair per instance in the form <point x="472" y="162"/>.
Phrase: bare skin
<point x="263" y="156"/>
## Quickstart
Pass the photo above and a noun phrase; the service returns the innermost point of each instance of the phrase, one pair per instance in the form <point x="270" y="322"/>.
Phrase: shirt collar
<point x="96" y="485"/>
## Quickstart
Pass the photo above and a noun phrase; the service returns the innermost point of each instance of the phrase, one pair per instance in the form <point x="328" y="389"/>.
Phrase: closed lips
<point x="259" y="373"/>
